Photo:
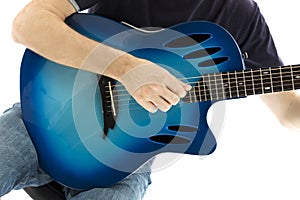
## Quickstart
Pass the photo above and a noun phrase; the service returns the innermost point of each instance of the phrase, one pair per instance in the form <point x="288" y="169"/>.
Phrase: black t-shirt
<point x="242" y="18"/>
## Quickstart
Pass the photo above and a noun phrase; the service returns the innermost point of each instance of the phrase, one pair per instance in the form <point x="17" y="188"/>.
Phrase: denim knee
<point x="19" y="163"/>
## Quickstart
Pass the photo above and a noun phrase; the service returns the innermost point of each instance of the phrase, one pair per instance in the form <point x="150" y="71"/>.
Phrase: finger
<point x="176" y="87"/>
<point x="161" y="103"/>
<point x="186" y="86"/>
<point x="170" y="97"/>
<point x="147" y="105"/>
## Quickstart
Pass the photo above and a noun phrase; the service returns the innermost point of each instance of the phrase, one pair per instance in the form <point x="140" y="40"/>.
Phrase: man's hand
<point x="150" y="85"/>
<point x="153" y="87"/>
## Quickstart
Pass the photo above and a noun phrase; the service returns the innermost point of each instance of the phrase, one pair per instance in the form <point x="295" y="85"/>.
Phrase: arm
<point x="40" y="27"/>
<point x="259" y="44"/>
<point x="286" y="107"/>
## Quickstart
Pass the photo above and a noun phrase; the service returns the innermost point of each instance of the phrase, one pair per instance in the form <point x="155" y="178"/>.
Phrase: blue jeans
<point x="19" y="166"/>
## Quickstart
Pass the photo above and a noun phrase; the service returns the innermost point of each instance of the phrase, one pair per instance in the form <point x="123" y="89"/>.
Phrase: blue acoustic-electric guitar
<point x="89" y="132"/>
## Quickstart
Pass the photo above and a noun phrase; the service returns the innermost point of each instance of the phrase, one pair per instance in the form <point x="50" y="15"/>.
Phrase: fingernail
<point x="182" y="94"/>
<point x="176" y="101"/>
<point x="188" y="87"/>
<point x="153" y="109"/>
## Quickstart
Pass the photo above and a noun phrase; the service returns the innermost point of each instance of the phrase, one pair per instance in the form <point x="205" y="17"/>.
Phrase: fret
<point x="292" y="75"/>
<point x="192" y="95"/>
<point x="257" y="82"/>
<point x="286" y="78"/>
<point x="226" y="85"/>
<point x="281" y="80"/>
<point x="215" y="87"/>
<point x="296" y="76"/>
<point x="276" y="79"/>
<point x="206" y="89"/>
<point x="266" y="80"/>
<point x="229" y="85"/>
<point x="249" y="83"/>
<point x="212" y="87"/>
<point x="261" y="80"/>
<point x="253" y="82"/>
<point x="233" y="84"/>
<point x="240" y="79"/>
<point x="237" y="85"/>
<point x="194" y="99"/>
<point x="219" y="86"/>
<point x="245" y="86"/>
<point x="270" y="72"/>
<point x="199" y="91"/>
<point x="222" y="86"/>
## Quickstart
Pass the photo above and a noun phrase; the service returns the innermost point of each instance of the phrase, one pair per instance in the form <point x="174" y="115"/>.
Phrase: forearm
<point x="33" y="27"/>
<point x="40" y="27"/>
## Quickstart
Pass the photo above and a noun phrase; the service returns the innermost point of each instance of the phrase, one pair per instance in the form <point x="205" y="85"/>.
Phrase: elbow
<point x="291" y="123"/>
<point x="16" y="31"/>
<point x="27" y="23"/>
<point x="20" y="27"/>
<point x="33" y="18"/>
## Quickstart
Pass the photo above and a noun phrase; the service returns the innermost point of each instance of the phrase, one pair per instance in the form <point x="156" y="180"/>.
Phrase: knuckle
<point x="155" y="87"/>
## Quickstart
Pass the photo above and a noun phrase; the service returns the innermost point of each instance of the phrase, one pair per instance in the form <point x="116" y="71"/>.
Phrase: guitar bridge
<point x="108" y="103"/>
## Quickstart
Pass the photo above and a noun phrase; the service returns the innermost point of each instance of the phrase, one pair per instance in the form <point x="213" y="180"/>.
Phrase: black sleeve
<point x="260" y="44"/>
<point x="254" y="37"/>
<point x="83" y="4"/>
<point x="246" y="23"/>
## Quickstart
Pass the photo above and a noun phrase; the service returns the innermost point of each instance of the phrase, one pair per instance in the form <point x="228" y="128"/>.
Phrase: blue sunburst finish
<point x="63" y="111"/>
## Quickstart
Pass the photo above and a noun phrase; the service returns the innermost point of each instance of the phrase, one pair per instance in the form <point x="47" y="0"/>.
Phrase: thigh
<point x="19" y="164"/>
<point x="131" y="188"/>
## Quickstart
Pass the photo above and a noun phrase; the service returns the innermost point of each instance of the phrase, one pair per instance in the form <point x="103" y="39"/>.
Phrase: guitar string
<point x="211" y="83"/>
<point x="290" y="68"/>
<point x="255" y="75"/>
<point x="135" y="106"/>
<point x="224" y="94"/>
<point x="120" y="106"/>
<point x="236" y="87"/>
<point x="235" y="77"/>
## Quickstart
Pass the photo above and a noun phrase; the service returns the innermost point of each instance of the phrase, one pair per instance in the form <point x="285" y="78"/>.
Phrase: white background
<point x="256" y="158"/>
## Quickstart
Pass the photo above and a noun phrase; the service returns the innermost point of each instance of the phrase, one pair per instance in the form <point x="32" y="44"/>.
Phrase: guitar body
<point x="81" y="141"/>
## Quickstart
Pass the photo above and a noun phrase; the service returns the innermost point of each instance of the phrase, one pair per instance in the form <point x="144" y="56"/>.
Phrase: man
<point x="40" y="27"/>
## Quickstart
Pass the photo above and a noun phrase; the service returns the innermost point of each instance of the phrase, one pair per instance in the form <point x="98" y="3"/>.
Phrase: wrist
<point x="122" y="65"/>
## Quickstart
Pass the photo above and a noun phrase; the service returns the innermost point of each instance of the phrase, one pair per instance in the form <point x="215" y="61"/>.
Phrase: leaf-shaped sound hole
<point x="169" y="139"/>
<point x="213" y="62"/>
<point x="188" y="40"/>
<point x="202" y="53"/>
<point x="182" y="128"/>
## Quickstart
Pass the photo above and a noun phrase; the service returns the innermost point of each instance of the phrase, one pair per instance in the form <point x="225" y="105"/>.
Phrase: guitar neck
<point x="238" y="84"/>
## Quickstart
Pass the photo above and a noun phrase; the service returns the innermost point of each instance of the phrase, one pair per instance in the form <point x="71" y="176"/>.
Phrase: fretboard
<point x="237" y="84"/>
